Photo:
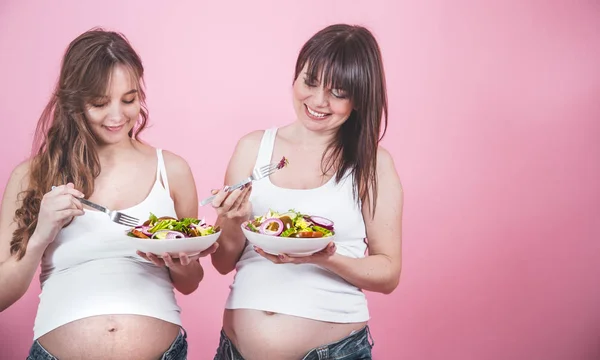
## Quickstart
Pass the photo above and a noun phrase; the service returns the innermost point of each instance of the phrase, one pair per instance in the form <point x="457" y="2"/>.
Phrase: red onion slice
<point x="266" y="226"/>
<point x="168" y="234"/>
<point x="323" y="222"/>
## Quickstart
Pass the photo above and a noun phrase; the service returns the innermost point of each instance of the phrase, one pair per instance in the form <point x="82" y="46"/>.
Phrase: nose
<point x="321" y="97"/>
<point x="115" y="113"/>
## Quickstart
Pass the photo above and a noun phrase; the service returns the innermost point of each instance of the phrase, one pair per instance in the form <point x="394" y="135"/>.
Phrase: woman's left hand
<point x="183" y="259"/>
<point x="312" y="259"/>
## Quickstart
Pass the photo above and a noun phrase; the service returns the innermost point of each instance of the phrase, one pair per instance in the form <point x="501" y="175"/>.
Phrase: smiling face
<point x="113" y="115"/>
<point x="318" y="107"/>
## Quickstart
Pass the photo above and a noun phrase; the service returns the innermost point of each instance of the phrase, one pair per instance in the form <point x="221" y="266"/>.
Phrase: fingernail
<point x="255" y="248"/>
<point x="226" y="188"/>
<point x="281" y="257"/>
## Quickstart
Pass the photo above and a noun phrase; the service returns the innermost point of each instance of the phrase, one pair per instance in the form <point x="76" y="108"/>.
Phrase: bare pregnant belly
<point x="260" y="335"/>
<point x="111" y="337"/>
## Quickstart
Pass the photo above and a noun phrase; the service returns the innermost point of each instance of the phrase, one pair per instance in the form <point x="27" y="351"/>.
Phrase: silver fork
<point x="114" y="215"/>
<point x="257" y="174"/>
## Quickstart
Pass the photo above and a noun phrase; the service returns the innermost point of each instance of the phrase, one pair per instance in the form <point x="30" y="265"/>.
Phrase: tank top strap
<point x="161" y="170"/>
<point x="265" y="151"/>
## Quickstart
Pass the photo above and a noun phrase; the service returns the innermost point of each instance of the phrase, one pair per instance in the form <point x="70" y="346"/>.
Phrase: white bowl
<point x="173" y="247"/>
<point x="294" y="247"/>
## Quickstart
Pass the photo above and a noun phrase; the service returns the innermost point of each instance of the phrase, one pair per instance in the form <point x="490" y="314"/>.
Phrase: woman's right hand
<point x="234" y="204"/>
<point x="57" y="208"/>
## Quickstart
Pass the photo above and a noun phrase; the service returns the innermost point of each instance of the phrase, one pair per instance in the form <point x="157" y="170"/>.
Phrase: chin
<point x="319" y="126"/>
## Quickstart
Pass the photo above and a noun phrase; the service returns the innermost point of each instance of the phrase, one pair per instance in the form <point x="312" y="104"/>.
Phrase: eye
<point x="97" y="105"/>
<point x="129" y="101"/>
<point x="310" y="82"/>
<point x="340" y="94"/>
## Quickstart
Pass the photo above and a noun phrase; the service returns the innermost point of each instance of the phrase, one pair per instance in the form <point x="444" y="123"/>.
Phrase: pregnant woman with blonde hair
<point x="99" y="300"/>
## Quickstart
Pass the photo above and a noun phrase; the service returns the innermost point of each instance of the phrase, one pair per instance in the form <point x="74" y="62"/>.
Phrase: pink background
<point x="494" y="127"/>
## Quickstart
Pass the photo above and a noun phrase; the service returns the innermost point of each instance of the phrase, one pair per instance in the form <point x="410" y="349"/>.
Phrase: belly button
<point x="112" y="329"/>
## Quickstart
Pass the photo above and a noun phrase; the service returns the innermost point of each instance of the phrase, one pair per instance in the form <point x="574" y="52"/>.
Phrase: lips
<point x="315" y="115"/>
<point x="114" y="128"/>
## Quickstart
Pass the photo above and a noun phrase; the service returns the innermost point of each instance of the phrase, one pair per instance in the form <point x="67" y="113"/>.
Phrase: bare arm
<point x="56" y="209"/>
<point x="15" y="276"/>
<point x="380" y="270"/>
<point x="233" y="208"/>
<point x="183" y="191"/>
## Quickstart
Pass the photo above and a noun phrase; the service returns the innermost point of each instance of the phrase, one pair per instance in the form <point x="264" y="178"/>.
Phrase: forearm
<point x="186" y="278"/>
<point x="16" y="275"/>
<point x="231" y="244"/>
<point x="374" y="273"/>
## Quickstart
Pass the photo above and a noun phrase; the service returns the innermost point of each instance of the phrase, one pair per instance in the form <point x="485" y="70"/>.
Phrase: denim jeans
<point x="356" y="346"/>
<point x="177" y="350"/>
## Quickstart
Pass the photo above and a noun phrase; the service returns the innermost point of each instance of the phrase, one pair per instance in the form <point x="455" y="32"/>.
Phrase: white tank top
<point x="89" y="270"/>
<point x="303" y="290"/>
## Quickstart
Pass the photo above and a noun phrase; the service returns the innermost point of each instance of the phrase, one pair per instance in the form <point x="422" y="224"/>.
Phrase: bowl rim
<point x="173" y="240"/>
<point x="243" y="227"/>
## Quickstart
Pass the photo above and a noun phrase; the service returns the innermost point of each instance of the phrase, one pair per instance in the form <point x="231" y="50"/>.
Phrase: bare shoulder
<point x="384" y="156"/>
<point x="389" y="186"/>
<point x="250" y="143"/>
<point x="17" y="182"/>
<point x="244" y="156"/>
<point x="385" y="165"/>
<point x="182" y="185"/>
<point x="19" y="178"/>
<point x="175" y="164"/>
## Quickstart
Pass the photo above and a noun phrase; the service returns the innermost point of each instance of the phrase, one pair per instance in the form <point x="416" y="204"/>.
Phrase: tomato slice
<point x="139" y="234"/>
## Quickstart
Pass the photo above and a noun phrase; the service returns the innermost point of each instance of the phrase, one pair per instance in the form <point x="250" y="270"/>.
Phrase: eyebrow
<point x="132" y="91"/>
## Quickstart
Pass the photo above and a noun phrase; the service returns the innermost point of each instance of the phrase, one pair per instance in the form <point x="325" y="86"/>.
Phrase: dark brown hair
<point x="64" y="148"/>
<point x="348" y="58"/>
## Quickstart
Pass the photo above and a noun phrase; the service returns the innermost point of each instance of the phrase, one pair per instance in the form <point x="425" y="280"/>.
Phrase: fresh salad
<point x="170" y="228"/>
<point x="291" y="224"/>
